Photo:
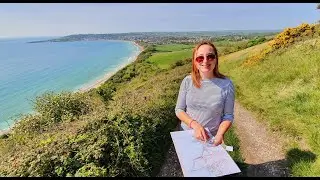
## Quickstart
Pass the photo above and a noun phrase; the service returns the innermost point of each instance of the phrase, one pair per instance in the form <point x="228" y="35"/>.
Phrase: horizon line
<point x="40" y="36"/>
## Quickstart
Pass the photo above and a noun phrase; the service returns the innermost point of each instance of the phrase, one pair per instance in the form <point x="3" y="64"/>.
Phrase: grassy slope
<point x="100" y="141"/>
<point x="284" y="91"/>
<point x="242" y="54"/>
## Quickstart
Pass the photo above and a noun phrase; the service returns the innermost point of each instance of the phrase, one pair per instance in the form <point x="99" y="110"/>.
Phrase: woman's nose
<point x="205" y="59"/>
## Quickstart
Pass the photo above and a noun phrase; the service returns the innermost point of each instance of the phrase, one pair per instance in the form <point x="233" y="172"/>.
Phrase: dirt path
<point x="261" y="149"/>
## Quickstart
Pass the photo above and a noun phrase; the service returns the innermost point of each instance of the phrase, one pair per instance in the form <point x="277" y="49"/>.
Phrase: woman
<point x="206" y="97"/>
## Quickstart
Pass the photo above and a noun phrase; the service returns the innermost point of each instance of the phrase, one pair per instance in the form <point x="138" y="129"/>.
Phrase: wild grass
<point x="284" y="90"/>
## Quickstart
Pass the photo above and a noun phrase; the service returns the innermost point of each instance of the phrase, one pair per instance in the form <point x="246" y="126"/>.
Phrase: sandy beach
<point x="109" y="74"/>
<point x="4" y="132"/>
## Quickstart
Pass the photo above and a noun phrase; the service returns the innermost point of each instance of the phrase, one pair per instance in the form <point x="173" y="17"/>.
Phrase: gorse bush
<point x="254" y="59"/>
<point x="290" y="35"/>
<point x="284" y="39"/>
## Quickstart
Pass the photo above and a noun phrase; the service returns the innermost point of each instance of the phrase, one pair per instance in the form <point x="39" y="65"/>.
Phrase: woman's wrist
<point x="190" y="123"/>
<point x="219" y="135"/>
<point x="194" y="124"/>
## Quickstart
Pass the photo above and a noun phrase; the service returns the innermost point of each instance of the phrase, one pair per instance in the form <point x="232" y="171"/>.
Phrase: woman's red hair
<point x="195" y="72"/>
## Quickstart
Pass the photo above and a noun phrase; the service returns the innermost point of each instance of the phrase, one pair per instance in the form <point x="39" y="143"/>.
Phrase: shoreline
<point x="108" y="75"/>
<point x="100" y="81"/>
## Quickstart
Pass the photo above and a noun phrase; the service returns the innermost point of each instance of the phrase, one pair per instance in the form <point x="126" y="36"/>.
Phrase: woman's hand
<point x="218" y="139"/>
<point x="199" y="132"/>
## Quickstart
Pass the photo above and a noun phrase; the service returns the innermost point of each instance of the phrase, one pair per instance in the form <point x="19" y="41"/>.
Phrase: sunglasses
<point x="210" y="57"/>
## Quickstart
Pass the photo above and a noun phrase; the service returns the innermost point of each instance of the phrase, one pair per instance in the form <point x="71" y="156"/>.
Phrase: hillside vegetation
<point x="119" y="129"/>
<point x="280" y="81"/>
<point x="122" y="128"/>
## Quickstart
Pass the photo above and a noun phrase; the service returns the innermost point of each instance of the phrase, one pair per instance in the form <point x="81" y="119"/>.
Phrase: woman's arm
<point x="180" y="111"/>
<point x="181" y="103"/>
<point x="199" y="131"/>
<point x="184" y="117"/>
<point x="228" y="117"/>
<point x="223" y="128"/>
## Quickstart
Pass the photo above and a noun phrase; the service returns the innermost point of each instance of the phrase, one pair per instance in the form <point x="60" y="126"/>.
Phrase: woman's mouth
<point x="206" y="65"/>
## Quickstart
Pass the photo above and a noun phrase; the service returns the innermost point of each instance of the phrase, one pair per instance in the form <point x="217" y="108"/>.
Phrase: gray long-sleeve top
<point x="209" y="105"/>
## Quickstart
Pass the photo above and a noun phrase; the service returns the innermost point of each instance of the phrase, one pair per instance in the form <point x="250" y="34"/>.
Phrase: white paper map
<point x="199" y="159"/>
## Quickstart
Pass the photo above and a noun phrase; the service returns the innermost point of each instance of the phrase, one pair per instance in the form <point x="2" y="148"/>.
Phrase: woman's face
<point x="205" y="59"/>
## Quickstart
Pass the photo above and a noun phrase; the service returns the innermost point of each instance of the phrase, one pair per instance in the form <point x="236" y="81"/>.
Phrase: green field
<point x="173" y="47"/>
<point x="165" y="59"/>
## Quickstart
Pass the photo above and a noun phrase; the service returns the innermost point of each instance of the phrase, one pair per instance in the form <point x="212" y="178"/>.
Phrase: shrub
<point x="256" y="41"/>
<point x="4" y="136"/>
<point x="91" y="170"/>
<point x="65" y="106"/>
<point x="180" y="63"/>
<point x="290" y="35"/>
<point x="252" y="60"/>
<point x="106" y="90"/>
<point x="282" y="40"/>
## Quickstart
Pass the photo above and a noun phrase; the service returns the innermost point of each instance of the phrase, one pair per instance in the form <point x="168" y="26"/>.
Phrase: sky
<point x="54" y="19"/>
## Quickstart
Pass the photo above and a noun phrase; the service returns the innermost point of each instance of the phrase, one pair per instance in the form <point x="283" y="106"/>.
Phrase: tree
<point x="318" y="7"/>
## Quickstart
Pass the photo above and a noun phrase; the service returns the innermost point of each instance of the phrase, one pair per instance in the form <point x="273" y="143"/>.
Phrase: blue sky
<point x="34" y="19"/>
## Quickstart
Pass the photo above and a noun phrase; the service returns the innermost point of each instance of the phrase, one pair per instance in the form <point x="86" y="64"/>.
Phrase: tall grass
<point x="284" y="90"/>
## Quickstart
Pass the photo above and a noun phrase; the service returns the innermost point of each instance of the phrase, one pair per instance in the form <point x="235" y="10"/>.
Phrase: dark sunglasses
<point x="210" y="57"/>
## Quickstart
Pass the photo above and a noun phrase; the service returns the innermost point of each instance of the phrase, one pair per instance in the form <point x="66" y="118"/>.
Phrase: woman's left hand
<point x="218" y="139"/>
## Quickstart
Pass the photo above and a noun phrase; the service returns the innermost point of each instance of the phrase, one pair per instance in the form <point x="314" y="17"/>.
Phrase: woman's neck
<point x="208" y="75"/>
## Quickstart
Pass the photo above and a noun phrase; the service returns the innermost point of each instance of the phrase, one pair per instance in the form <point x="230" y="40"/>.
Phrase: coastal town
<point x="166" y="37"/>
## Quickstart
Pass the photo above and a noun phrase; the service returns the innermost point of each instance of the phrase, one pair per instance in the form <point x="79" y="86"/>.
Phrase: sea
<point x="28" y="70"/>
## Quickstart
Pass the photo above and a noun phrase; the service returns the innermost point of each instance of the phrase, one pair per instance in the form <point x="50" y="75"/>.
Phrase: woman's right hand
<point x="199" y="132"/>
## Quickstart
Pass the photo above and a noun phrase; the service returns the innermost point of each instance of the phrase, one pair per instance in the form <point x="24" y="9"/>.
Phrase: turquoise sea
<point x="29" y="69"/>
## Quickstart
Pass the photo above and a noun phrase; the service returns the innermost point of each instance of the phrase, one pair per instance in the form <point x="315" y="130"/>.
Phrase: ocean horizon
<point x="28" y="70"/>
